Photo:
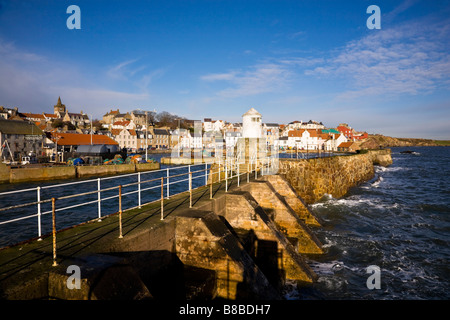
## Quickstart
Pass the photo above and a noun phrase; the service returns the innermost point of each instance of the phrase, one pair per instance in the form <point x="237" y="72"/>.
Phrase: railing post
<point x="139" y="190"/>
<point x="237" y="164"/>
<point x="120" y="212"/>
<point x="39" y="212"/>
<point x="99" y="197"/>
<point x="168" y="182"/>
<point x="219" y="170"/>
<point x="206" y="174"/>
<point x="54" y="232"/>
<point x="162" y="198"/>
<point x="248" y="172"/>
<point x="210" y="189"/>
<point x="262" y="168"/>
<point x="190" y="189"/>
<point x="226" y="176"/>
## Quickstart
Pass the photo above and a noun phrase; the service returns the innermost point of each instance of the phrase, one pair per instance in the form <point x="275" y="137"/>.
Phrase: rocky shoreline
<point x="377" y="141"/>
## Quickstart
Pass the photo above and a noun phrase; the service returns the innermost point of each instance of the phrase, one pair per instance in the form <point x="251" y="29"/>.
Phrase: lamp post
<point x="91" y="129"/>
<point x="146" y="135"/>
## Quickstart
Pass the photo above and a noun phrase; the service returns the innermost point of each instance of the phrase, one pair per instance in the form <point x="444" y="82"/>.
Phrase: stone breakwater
<point x="313" y="178"/>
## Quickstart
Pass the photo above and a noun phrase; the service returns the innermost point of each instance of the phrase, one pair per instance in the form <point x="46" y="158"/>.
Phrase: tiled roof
<point x="33" y="115"/>
<point x="69" y="139"/>
<point x="161" y="131"/>
<point x="345" y="144"/>
<point x="116" y="132"/>
<point x="295" y="133"/>
<point x="121" y="123"/>
<point x="19" y="127"/>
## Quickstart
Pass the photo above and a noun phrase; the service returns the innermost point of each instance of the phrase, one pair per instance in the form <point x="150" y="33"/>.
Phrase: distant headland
<point x="377" y="141"/>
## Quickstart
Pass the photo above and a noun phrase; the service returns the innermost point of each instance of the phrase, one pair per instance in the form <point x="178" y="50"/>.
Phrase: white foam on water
<point x="357" y="202"/>
<point x="377" y="182"/>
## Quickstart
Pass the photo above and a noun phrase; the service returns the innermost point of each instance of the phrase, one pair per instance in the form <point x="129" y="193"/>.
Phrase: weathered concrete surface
<point x="243" y="212"/>
<point x="43" y="173"/>
<point x="4" y="173"/>
<point x="281" y="186"/>
<point x="147" y="166"/>
<point x="203" y="240"/>
<point x="284" y="216"/>
<point x="85" y="171"/>
<point x="103" y="277"/>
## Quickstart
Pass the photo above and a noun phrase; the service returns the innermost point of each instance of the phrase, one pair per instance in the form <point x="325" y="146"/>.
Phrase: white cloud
<point x="219" y="76"/>
<point x="259" y="79"/>
<point x="408" y="59"/>
<point x="35" y="87"/>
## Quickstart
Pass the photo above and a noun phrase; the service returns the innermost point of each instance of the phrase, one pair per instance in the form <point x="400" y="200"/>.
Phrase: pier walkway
<point x="183" y="232"/>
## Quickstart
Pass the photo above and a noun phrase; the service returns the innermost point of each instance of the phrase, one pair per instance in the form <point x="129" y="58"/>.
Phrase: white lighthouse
<point x="251" y="124"/>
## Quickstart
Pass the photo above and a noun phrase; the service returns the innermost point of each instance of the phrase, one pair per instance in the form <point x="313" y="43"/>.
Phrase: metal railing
<point x="230" y="169"/>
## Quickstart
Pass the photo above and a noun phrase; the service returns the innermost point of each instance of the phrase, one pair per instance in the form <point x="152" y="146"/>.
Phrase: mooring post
<point x="54" y="232"/>
<point x="120" y="212"/>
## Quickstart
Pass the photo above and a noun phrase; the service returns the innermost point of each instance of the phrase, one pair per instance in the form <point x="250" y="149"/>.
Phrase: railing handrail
<point x="227" y="167"/>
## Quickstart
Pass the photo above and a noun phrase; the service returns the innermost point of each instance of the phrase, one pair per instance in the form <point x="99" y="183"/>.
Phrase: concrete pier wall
<point x="8" y="175"/>
<point x="313" y="178"/>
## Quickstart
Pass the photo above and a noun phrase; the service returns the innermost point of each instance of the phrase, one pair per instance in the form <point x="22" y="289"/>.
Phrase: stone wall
<point x="313" y="178"/>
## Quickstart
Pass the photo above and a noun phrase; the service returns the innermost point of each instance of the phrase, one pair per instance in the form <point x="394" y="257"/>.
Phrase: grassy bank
<point x="442" y="142"/>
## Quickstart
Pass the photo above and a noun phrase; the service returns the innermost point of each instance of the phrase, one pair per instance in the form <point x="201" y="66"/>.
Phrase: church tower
<point x="59" y="109"/>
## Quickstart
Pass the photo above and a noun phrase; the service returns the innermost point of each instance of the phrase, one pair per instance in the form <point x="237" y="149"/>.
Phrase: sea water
<point x="398" y="221"/>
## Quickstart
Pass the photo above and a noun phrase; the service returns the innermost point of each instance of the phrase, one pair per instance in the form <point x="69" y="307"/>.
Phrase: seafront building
<point x="20" y="139"/>
<point x="136" y="131"/>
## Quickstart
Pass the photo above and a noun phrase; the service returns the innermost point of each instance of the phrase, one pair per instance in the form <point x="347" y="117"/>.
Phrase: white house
<point x="124" y="124"/>
<point x="334" y="140"/>
<point x="231" y="138"/>
<point x="127" y="138"/>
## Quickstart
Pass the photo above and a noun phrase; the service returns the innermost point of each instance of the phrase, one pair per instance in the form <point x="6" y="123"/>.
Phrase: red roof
<point x="345" y="144"/>
<point x="70" y="139"/>
<point x="33" y="115"/>
<point x="295" y="133"/>
<point x="121" y="123"/>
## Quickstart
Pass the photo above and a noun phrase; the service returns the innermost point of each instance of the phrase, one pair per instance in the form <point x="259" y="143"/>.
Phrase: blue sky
<point x="290" y="60"/>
